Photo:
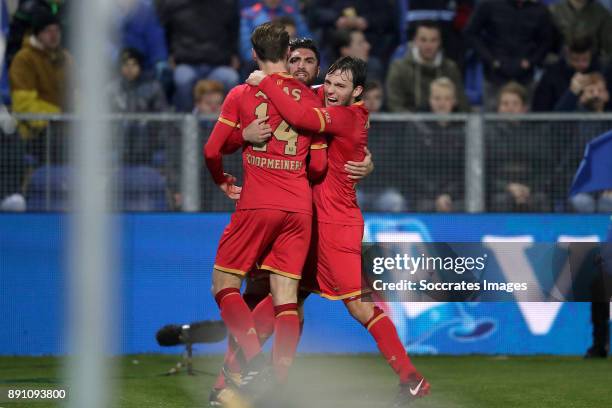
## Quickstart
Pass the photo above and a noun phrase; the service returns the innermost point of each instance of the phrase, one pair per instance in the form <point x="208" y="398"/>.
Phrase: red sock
<point x="384" y="332"/>
<point x="233" y="359"/>
<point x="287" y="329"/>
<point x="263" y="316"/>
<point x="239" y="321"/>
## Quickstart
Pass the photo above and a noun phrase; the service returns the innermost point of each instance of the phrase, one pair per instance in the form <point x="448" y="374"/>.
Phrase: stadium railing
<point x="424" y="162"/>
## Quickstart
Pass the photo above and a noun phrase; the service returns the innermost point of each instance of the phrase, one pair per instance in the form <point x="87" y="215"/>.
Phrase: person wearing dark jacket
<point x="376" y="19"/>
<point x="135" y="92"/>
<point x="578" y="59"/>
<point x="511" y="37"/>
<point x="203" y="43"/>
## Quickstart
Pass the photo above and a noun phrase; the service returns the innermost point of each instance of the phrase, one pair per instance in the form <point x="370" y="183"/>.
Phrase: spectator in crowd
<point x="512" y="37"/>
<point x="353" y="43"/>
<point x="583" y="18"/>
<point x="373" y="96"/>
<point x="587" y="93"/>
<point x="409" y="79"/>
<point x="578" y="60"/>
<point x="377" y="19"/>
<point x="516" y="158"/>
<point x="21" y="23"/>
<point x="136" y="92"/>
<point x="290" y="26"/>
<point x="208" y="96"/>
<point x="262" y="12"/>
<point x="450" y="15"/>
<point x="203" y="43"/>
<point x="438" y="154"/>
<point x="39" y="78"/>
<point x="138" y="27"/>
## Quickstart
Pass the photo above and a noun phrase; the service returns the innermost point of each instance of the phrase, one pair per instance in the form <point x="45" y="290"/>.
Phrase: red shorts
<point x="276" y="240"/>
<point x="333" y="266"/>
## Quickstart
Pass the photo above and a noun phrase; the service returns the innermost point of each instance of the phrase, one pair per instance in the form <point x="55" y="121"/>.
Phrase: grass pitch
<point x="355" y="381"/>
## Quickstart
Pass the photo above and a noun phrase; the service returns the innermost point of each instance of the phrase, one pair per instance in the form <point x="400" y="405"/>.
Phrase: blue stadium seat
<point x="473" y="81"/>
<point x="48" y="188"/>
<point x="142" y="189"/>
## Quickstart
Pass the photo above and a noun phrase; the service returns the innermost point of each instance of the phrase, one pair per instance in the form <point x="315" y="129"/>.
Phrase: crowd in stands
<point x="440" y="56"/>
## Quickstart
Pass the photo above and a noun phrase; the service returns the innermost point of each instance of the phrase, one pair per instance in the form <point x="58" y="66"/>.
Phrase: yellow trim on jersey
<point x="284" y="74"/>
<point x="358" y="103"/>
<point x="318" y="146"/>
<point x="341" y="297"/>
<point x="227" y="122"/>
<point x="229" y="270"/>
<point x="278" y="272"/>
<point x="288" y="313"/>
<point x="320" y="119"/>
<point x="373" y="322"/>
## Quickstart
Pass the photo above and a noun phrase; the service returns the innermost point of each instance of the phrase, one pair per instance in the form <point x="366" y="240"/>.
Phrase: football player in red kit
<point x="336" y="251"/>
<point x="273" y="219"/>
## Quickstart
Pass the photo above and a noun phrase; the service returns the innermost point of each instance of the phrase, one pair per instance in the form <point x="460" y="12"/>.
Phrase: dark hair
<point x="131" y="53"/>
<point x="340" y="39"/>
<point x="580" y="45"/>
<point x="355" y="66"/>
<point x="42" y="20"/>
<point x="371" y="85"/>
<point x="285" y="21"/>
<point x="270" y="42"/>
<point x="432" y="25"/>
<point x="307" y="43"/>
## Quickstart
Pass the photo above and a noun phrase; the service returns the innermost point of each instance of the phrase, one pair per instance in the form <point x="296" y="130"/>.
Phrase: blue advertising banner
<point x="165" y="270"/>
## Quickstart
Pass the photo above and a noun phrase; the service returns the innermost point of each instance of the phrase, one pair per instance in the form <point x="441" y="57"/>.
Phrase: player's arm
<point x="213" y="150"/>
<point x="234" y="142"/>
<point x="299" y="116"/>
<point x="362" y="169"/>
<point x="257" y="132"/>
<point x="317" y="166"/>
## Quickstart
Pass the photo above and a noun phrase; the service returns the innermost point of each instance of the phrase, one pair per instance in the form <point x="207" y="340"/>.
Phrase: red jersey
<point x="334" y="197"/>
<point x="274" y="173"/>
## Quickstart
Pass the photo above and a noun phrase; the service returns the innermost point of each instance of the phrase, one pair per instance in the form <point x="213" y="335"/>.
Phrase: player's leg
<point x="382" y="329"/>
<point x="243" y="242"/>
<point x="235" y="312"/>
<point x="287" y="324"/>
<point x="257" y="297"/>
<point x="285" y="263"/>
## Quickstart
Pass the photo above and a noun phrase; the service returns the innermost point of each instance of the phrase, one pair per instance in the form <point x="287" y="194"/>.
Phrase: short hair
<point x="580" y="44"/>
<point x="515" y="88"/>
<point x="307" y="43"/>
<point x="444" y="82"/>
<point x="270" y="42"/>
<point x="430" y="24"/>
<point x="372" y="85"/>
<point x="285" y="21"/>
<point x="355" y="66"/>
<point x="342" y="38"/>
<point x="594" y="78"/>
<point x="204" y="86"/>
<point x="129" y="53"/>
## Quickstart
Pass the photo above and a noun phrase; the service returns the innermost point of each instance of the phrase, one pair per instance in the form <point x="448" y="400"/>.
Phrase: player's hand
<point x="258" y="131"/>
<point x="255" y="78"/>
<point x="360" y="170"/>
<point x="229" y="188"/>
